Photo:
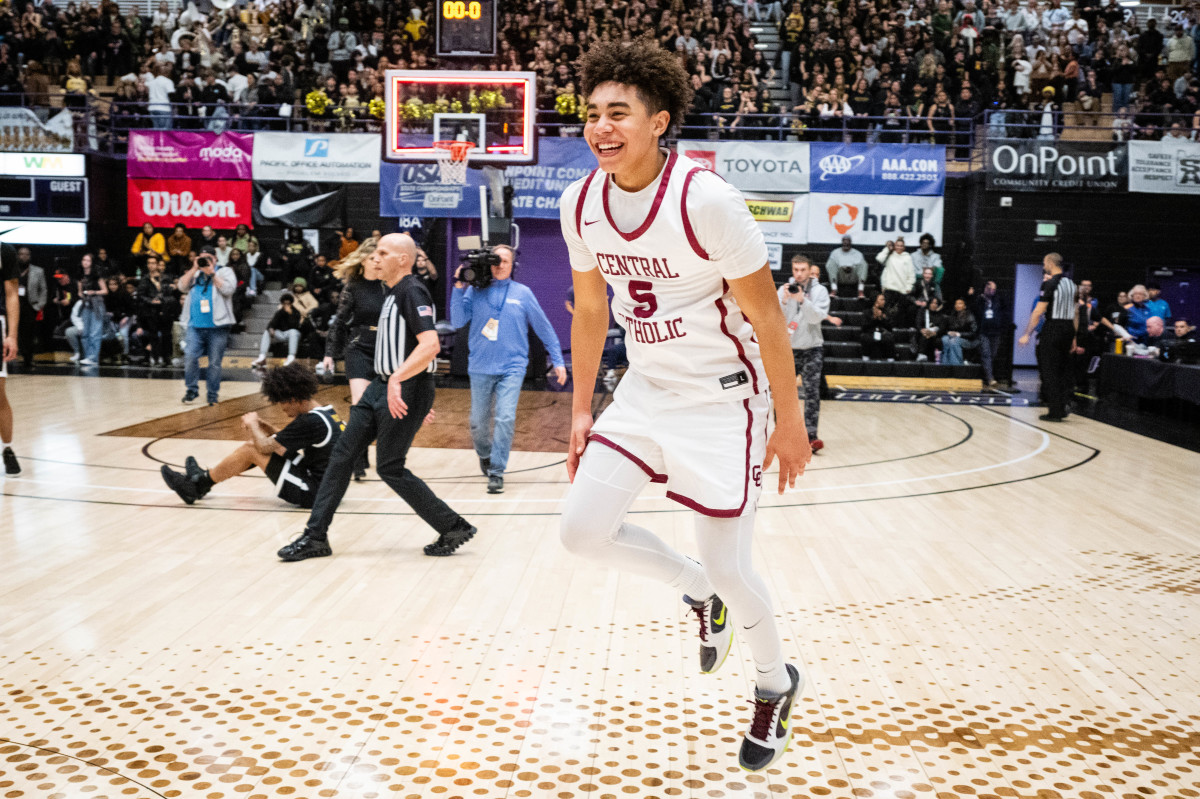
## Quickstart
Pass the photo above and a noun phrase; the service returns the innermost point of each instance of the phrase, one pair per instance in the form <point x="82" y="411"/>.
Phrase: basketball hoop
<point x="452" y="160"/>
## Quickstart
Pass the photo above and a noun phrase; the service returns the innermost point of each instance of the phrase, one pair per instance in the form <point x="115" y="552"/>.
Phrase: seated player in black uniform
<point x="294" y="458"/>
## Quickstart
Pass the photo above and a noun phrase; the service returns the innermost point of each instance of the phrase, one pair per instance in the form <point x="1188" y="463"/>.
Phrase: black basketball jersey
<point x="407" y="311"/>
<point x="310" y="437"/>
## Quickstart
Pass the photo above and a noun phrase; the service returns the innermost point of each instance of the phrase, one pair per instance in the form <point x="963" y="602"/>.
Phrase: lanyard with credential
<point x="491" y="330"/>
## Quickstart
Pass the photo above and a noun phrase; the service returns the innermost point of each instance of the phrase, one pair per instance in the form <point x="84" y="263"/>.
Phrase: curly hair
<point x="292" y="383"/>
<point x="660" y="80"/>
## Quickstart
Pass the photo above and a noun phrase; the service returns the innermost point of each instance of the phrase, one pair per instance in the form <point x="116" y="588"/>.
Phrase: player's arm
<point x="589" y="329"/>
<point x="12" y="303"/>
<point x="262" y="435"/>
<point x="1034" y="318"/>
<point x="755" y="294"/>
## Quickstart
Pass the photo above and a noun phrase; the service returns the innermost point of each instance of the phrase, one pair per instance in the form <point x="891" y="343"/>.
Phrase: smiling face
<point x="621" y="131"/>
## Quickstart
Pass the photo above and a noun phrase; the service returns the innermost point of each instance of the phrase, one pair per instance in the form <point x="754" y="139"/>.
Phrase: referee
<point x="390" y="411"/>
<point x="1057" y="339"/>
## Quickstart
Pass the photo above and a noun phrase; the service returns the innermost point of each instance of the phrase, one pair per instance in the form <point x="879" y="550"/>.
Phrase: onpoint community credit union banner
<point x="1056" y="166"/>
<point x="873" y="219"/>
<point x="168" y="154"/>
<point x="760" y="166"/>
<point x="878" y="169"/>
<point x="782" y="217"/>
<point x="1164" y="167"/>
<point x="220" y="203"/>
<point x="416" y="190"/>
<point x="317" y="157"/>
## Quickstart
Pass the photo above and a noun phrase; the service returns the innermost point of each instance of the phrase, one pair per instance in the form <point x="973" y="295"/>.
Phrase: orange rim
<point x="458" y="149"/>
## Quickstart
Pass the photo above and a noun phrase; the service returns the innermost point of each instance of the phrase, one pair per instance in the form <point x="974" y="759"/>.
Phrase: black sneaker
<point x="180" y="484"/>
<point x="771" y="728"/>
<point x="484" y="465"/>
<point x="496" y="484"/>
<point x="11" y="467"/>
<point x="716" y="632"/>
<point x="192" y="467"/>
<point x="303" y="548"/>
<point x="360" y="474"/>
<point x="1045" y="417"/>
<point x="190" y="397"/>
<point x="199" y="477"/>
<point x="451" y="540"/>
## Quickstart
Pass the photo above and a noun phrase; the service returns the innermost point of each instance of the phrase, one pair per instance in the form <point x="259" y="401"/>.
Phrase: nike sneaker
<point x="716" y="632"/>
<point x="771" y="728"/>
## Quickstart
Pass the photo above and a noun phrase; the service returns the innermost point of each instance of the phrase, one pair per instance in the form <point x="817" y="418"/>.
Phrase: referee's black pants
<point x="370" y="420"/>
<point x="1054" y="365"/>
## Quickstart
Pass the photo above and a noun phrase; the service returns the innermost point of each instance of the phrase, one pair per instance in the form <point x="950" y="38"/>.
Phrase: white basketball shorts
<point x="709" y="454"/>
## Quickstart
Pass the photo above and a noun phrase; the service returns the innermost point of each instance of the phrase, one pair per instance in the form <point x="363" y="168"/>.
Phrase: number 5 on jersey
<point x="642" y="292"/>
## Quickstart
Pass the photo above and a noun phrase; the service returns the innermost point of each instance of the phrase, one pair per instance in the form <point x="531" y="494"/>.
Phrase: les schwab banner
<point x="873" y="219"/>
<point x="783" y="218"/>
<point x="220" y="203"/>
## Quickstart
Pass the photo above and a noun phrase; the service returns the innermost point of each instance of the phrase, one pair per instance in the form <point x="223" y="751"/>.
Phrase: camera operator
<point x="500" y="312"/>
<point x="209" y="317"/>
<point x="805" y="304"/>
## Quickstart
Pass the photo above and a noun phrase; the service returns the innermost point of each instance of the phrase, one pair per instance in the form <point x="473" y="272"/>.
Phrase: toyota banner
<point x="182" y="154"/>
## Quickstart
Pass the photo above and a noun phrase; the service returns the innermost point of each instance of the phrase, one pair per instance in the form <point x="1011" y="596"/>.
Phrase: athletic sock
<point x="693" y="582"/>
<point x="771" y="679"/>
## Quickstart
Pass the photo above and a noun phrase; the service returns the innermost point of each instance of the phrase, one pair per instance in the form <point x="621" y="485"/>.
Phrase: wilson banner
<point x="221" y="203"/>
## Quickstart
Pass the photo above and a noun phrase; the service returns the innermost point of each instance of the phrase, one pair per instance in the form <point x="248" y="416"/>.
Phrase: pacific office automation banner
<point x="1056" y="166"/>
<point x="314" y="157"/>
<point x="302" y="205"/>
<point x="1164" y="167"/>
<point x="873" y="219"/>
<point x="878" y="169"/>
<point x="761" y="166"/>
<point x="20" y="129"/>
<point x="782" y="217"/>
<point x="168" y="154"/>
<point x="220" y="203"/>
<point x="416" y="190"/>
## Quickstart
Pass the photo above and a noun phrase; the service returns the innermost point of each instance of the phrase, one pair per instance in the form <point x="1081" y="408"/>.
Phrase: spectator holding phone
<point x="209" y="316"/>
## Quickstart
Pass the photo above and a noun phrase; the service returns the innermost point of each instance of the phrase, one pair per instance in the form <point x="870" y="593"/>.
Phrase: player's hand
<point x="328" y="363"/>
<point x="430" y="417"/>
<point x="790" y="444"/>
<point x="250" y="418"/>
<point x="581" y="427"/>
<point x="560" y="374"/>
<point x="1023" y="340"/>
<point x="10" y="348"/>
<point x="396" y="403"/>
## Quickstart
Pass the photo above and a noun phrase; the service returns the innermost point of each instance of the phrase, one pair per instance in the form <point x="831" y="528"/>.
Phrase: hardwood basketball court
<point x="984" y="605"/>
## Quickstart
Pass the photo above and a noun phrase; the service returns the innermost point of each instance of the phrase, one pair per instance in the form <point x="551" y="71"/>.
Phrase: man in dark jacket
<point x="993" y="319"/>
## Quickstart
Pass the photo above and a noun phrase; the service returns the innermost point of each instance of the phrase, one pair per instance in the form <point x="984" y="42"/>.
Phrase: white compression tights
<point x="594" y="526"/>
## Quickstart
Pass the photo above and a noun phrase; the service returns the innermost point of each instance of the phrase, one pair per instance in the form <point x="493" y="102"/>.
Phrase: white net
<point x="449" y="169"/>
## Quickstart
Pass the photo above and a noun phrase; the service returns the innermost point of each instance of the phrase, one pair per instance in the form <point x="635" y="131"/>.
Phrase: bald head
<point x="394" y="256"/>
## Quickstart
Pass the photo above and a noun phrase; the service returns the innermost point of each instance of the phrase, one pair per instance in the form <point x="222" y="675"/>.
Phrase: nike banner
<point x="302" y="205"/>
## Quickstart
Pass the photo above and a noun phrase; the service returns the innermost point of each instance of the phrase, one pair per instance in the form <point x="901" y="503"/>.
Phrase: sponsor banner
<point x="220" y="203"/>
<point x="783" y="218"/>
<point x="56" y="199"/>
<point x="873" y="219"/>
<point x="316" y="157"/>
<point x="20" y="129"/>
<point x="994" y="400"/>
<point x="416" y="190"/>
<point x="878" y="169"/>
<point x="302" y="205"/>
<point x="167" y="154"/>
<point x="1164" y="167"/>
<point x="761" y="166"/>
<point x="65" y="234"/>
<point x="43" y="165"/>
<point x="1056" y="166"/>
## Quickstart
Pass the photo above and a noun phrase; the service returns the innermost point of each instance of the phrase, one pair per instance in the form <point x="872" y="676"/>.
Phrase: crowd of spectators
<point x="896" y="70"/>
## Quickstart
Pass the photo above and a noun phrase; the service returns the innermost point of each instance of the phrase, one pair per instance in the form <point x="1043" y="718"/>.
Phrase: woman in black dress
<point x="941" y="119"/>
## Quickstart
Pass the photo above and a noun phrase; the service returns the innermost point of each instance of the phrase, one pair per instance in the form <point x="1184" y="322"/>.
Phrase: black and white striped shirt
<point x="1059" y="295"/>
<point x="407" y="311"/>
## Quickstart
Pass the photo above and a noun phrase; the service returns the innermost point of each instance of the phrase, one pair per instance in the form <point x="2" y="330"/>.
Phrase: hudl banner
<point x="878" y="169"/>
<point x="220" y="203"/>
<point x="171" y="154"/>
<point x="1170" y="166"/>
<point x="317" y="157"/>
<point x="1031" y="165"/>
<point x="873" y="218"/>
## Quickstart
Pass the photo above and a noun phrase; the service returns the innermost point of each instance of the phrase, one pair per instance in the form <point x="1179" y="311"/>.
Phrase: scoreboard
<point x="466" y="27"/>
<point x="43" y="198"/>
<point x="50" y="199"/>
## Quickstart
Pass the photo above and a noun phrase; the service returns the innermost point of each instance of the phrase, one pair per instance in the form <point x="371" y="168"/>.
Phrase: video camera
<point x="477" y="268"/>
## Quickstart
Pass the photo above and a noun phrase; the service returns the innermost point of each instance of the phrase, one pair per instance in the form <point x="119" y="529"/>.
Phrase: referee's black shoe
<point x="304" y="548"/>
<point x="1045" y="417"/>
<point x="451" y="540"/>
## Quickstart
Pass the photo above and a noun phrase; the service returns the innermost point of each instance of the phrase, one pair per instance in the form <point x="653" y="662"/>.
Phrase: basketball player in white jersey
<point x="706" y="339"/>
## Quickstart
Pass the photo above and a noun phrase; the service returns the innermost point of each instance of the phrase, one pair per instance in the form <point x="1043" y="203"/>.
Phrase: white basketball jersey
<point x="683" y="329"/>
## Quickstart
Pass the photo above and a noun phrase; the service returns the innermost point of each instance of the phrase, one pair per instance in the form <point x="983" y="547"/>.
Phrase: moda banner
<point x="782" y="217"/>
<point x="320" y="158"/>
<point x="221" y="203"/>
<point x="873" y="219"/>
<point x="302" y="205"/>
<point x="761" y="166"/>
<point x="1171" y="166"/>
<point x="21" y="129"/>
<point x="168" y="154"/>
<point x="878" y="169"/>
<point x="416" y="190"/>
<point x="1056" y="166"/>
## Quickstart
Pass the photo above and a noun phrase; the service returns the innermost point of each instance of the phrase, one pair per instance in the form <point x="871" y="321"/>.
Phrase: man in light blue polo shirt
<point x="500" y="317"/>
<point x="209" y="318"/>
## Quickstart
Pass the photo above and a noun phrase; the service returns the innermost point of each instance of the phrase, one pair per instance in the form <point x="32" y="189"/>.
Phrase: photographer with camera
<point x="805" y="304"/>
<point x="208" y="318"/>
<point x="500" y="312"/>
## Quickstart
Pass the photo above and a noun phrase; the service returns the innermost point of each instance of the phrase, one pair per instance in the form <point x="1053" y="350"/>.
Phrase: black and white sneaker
<point x="771" y="728"/>
<point x="180" y="484"/>
<point x="303" y="548"/>
<point x="11" y="467"/>
<point x="716" y="632"/>
<point x="451" y="540"/>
